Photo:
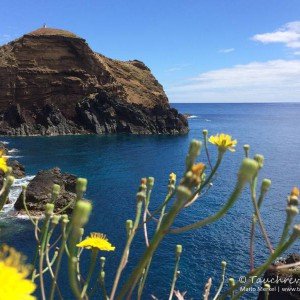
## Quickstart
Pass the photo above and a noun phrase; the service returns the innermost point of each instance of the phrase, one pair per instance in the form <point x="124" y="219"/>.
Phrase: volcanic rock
<point x="39" y="190"/>
<point x="49" y="79"/>
<point x="283" y="285"/>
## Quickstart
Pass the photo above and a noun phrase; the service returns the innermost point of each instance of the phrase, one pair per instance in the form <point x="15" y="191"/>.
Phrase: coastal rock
<point x="18" y="170"/>
<point x="103" y="113"/>
<point x="284" y="286"/>
<point x="40" y="187"/>
<point x="49" y="77"/>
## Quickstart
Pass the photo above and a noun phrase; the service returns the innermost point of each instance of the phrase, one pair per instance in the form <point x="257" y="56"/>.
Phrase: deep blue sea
<point x="114" y="165"/>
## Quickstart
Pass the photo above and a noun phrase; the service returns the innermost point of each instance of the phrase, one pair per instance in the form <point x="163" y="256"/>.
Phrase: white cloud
<point x="276" y="80"/>
<point x="227" y="50"/>
<point x="177" y="68"/>
<point x="289" y="35"/>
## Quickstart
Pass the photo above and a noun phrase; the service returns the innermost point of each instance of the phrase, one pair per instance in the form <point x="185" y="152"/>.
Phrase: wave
<point x="14" y="156"/>
<point x="15" y="192"/>
<point x="4" y="142"/>
<point x="192" y="117"/>
<point x="207" y="120"/>
<point x="13" y="150"/>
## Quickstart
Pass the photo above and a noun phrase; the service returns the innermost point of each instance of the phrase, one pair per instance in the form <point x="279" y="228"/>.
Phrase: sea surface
<point x="114" y="165"/>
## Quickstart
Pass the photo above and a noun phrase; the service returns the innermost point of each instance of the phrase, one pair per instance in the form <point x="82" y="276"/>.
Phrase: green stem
<point x="258" y="216"/>
<point x="237" y="191"/>
<point x="44" y="234"/>
<point x="126" y="249"/>
<point x="143" y="279"/>
<point x="58" y="262"/>
<point x="207" y="152"/>
<point x="159" y="235"/>
<point x="221" y="284"/>
<point x="175" y="276"/>
<point x="94" y="255"/>
<point x="213" y="171"/>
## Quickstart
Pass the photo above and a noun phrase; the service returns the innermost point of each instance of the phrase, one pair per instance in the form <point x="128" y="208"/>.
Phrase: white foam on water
<point x="4" y="142"/>
<point x="207" y="120"/>
<point x="13" y="150"/>
<point x="14" y="156"/>
<point x="15" y="192"/>
<point x="192" y="117"/>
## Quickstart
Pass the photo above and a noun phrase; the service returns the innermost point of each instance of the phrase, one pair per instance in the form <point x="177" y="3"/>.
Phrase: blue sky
<point x="201" y="51"/>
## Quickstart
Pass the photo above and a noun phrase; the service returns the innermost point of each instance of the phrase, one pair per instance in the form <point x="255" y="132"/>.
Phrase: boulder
<point x="284" y="286"/>
<point x="40" y="187"/>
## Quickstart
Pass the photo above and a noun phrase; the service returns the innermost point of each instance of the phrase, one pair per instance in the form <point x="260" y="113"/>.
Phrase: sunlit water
<point x="115" y="164"/>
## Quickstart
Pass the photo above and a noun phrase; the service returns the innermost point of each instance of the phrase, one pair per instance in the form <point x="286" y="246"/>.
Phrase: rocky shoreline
<point x="39" y="188"/>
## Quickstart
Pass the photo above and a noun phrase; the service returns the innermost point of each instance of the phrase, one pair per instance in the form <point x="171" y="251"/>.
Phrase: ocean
<point x="114" y="165"/>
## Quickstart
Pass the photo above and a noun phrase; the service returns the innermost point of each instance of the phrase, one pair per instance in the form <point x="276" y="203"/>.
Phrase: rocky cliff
<point x="52" y="83"/>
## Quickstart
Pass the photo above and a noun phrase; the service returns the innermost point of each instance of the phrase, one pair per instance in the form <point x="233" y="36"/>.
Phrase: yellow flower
<point x="223" y="141"/>
<point x="96" y="240"/>
<point x="3" y="161"/>
<point x="13" y="273"/>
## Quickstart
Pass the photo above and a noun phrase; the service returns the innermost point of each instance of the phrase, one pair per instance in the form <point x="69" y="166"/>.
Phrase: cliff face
<point x="52" y="83"/>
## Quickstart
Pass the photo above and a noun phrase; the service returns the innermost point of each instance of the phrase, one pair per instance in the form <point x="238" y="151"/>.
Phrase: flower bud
<point x="102" y="259"/>
<point x="223" y="264"/>
<point x="246" y="147"/>
<point x="292" y="211"/>
<point x="178" y="250"/>
<point x="49" y="208"/>
<point x="260" y="160"/>
<point x="195" y="147"/>
<point x="205" y="132"/>
<point x="265" y="185"/>
<point x="55" y="219"/>
<point x="295" y="192"/>
<point x="296" y="230"/>
<point x="81" y="185"/>
<point x="267" y="286"/>
<point x="150" y="182"/>
<point x="102" y="275"/>
<point x="65" y="217"/>
<point x="248" y="169"/>
<point x="56" y="189"/>
<point x="81" y="212"/>
<point x="24" y="187"/>
<point x="172" y="178"/>
<point x="231" y="282"/>
<point x="9" y="181"/>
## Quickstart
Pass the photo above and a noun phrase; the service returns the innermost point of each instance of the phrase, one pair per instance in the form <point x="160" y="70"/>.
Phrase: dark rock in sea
<point x="18" y="170"/>
<point x="52" y="83"/>
<point x="284" y="286"/>
<point x="40" y="187"/>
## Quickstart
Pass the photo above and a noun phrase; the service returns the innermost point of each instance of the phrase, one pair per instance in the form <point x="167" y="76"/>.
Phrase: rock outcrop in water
<point x="39" y="190"/>
<point x="52" y="83"/>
